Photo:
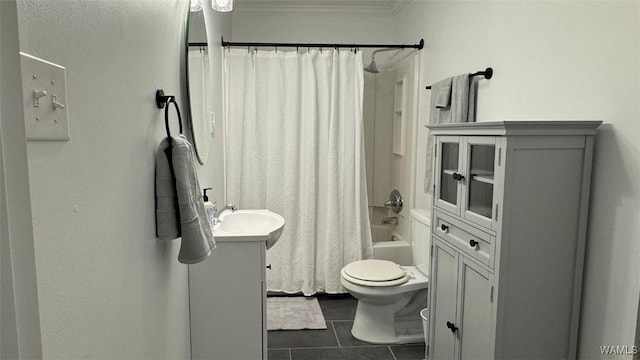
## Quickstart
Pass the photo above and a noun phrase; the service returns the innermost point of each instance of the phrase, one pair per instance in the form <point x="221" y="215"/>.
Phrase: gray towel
<point x="461" y="109"/>
<point x="457" y="110"/>
<point x="197" y="239"/>
<point x="473" y="97"/>
<point x="167" y="217"/>
<point x="442" y="94"/>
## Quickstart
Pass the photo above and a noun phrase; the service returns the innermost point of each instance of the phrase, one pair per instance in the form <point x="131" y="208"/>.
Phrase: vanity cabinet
<point x="509" y="217"/>
<point x="227" y="296"/>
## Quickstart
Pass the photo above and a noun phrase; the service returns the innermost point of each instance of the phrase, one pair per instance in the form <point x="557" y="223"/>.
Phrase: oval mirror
<point x="198" y="82"/>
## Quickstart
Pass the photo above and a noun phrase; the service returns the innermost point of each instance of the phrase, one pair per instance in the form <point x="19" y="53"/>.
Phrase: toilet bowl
<point x="391" y="296"/>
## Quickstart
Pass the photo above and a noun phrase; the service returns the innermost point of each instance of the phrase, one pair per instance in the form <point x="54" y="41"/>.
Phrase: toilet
<point x="390" y="296"/>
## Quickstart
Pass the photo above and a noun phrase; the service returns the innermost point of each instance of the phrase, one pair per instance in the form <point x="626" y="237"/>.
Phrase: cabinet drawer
<point x="473" y="242"/>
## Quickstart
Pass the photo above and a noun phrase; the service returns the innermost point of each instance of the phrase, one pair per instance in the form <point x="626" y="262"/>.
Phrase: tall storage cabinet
<point x="508" y="236"/>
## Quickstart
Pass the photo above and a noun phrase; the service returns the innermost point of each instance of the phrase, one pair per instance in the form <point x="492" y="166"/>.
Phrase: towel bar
<point x="487" y="73"/>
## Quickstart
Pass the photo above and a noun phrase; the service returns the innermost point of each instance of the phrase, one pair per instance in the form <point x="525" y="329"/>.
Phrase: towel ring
<point x="166" y="115"/>
<point x="164" y="101"/>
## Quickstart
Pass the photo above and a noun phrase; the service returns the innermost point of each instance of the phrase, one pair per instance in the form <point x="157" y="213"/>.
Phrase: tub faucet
<point x="216" y="213"/>
<point x="392" y="220"/>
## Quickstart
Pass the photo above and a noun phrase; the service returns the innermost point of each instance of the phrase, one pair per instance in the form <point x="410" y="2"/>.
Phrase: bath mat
<point x="294" y="313"/>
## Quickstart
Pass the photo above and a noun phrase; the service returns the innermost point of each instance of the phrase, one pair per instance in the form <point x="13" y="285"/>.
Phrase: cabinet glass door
<point x="447" y="185"/>
<point x="481" y="165"/>
<point x="481" y="179"/>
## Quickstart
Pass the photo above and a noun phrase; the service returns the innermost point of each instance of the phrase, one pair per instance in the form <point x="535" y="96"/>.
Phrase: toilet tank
<point x="420" y="234"/>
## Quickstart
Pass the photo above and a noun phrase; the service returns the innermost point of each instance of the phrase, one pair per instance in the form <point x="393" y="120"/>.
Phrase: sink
<point x="249" y="225"/>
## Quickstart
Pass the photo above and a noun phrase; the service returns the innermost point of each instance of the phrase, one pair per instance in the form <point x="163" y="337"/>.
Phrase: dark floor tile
<point x="279" y="339"/>
<point x="354" y="353"/>
<point x="280" y="354"/>
<point x="343" y="331"/>
<point x="338" y="307"/>
<point x="408" y="352"/>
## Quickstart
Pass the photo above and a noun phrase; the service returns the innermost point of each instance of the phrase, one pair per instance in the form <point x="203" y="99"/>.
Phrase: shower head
<point x="372" y="68"/>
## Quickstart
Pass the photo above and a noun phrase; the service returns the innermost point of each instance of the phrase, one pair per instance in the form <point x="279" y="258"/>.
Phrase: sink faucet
<point x="216" y="213"/>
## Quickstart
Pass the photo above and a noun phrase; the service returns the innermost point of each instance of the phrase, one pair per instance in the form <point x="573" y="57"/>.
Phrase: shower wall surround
<point x="390" y="100"/>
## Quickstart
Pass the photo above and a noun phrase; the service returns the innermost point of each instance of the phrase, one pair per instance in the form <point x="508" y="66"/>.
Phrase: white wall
<point x="107" y="288"/>
<point x="308" y="26"/>
<point x="19" y="315"/>
<point x="320" y="26"/>
<point x="559" y="60"/>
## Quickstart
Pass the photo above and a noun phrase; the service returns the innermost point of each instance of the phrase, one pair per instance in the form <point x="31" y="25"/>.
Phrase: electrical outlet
<point x="44" y="92"/>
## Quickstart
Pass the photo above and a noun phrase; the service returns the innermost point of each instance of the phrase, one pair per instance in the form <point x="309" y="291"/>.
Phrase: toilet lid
<point x="374" y="270"/>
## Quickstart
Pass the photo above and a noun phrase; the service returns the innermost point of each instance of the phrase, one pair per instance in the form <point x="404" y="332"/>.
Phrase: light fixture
<point x="196" y="5"/>
<point x="222" y="5"/>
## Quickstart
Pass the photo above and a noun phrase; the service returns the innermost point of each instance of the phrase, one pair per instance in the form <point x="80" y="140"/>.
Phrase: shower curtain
<point x="295" y="145"/>
<point x="200" y="90"/>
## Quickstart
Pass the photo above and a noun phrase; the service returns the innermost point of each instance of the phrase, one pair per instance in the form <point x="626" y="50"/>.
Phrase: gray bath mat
<point x="294" y="313"/>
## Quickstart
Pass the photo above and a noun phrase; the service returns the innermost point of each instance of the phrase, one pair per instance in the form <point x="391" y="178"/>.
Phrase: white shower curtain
<point x="295" y="146"/>
<point x="200" y="90"/>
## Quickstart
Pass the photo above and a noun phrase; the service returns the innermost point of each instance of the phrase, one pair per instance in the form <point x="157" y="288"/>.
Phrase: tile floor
<point x="336" y="342"/>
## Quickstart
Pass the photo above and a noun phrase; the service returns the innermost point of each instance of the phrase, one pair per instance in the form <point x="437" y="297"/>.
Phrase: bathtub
<point x="398" y="251"/>
<point x="387" y="245"/>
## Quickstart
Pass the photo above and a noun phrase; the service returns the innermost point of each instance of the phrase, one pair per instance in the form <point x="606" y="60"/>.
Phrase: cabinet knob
<point x="473" y="243"/>
<point x="457" y="176"/>
<point x="444" y="227"/>
<point x="452" y="326"/>
<point x="268" y="266"/>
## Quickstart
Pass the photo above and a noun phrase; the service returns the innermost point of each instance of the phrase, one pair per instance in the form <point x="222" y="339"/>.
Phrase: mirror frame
<point x="200" y="156"/>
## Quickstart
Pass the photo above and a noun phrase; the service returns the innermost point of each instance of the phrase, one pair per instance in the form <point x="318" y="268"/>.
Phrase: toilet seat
<point x="374" y="273"/>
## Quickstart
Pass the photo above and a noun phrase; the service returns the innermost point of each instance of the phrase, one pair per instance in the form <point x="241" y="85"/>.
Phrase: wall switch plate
<point x="44" y="92"/>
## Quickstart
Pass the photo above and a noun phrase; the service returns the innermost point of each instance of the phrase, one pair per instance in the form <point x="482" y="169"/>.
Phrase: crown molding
<point x="386" y="8"/>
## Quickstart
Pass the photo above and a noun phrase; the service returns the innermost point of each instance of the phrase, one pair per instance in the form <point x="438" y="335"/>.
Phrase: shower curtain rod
<point x="418" y="46"/>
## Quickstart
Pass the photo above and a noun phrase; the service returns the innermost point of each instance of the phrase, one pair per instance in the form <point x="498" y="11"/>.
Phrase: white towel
<point x="197" y="239"/>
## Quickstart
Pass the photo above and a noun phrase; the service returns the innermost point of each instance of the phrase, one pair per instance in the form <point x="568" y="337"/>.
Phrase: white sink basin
<point x="249" y="225"/>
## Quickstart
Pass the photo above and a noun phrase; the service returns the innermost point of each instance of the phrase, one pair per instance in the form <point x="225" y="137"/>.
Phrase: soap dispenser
<point x="209" y="207"/>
